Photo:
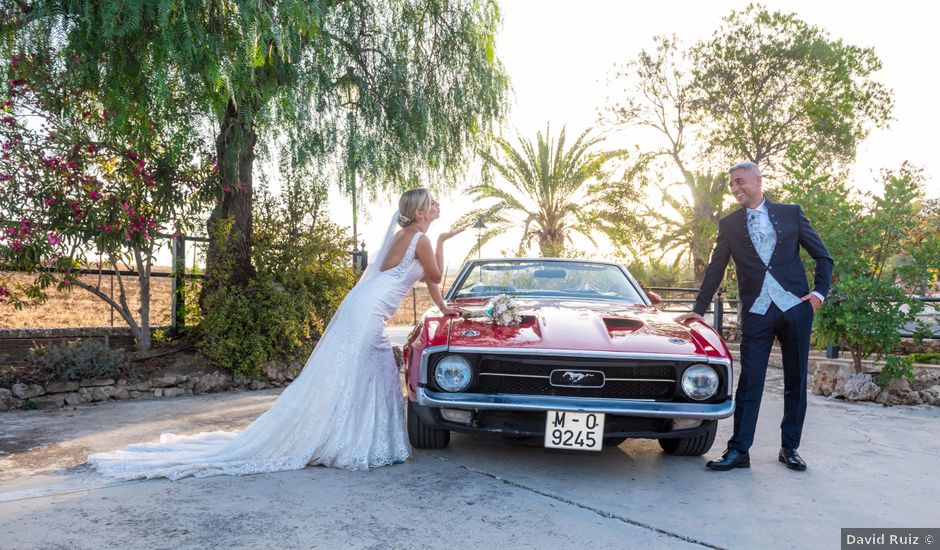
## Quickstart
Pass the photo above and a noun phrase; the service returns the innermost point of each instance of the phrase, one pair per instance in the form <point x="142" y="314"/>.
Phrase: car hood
<point x="584" y="325"/>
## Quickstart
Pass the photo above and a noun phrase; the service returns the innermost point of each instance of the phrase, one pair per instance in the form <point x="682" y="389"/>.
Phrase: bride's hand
<point x="451" y="312"/>
<point x="448" y="234"/>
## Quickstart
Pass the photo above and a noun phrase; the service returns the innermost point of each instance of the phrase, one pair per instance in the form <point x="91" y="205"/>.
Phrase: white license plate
<point x="574" y="430"/>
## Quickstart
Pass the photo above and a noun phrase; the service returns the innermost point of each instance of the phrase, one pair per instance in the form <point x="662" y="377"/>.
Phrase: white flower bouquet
<point x="503" y="311"/>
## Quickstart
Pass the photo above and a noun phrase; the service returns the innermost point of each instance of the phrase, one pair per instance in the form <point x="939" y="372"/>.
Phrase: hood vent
<point x="622" y="325"/>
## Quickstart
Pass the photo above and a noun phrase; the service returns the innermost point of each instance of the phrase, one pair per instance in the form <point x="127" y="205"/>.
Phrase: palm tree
<point x="545" y="189"/>
<point x="695" y="228"/>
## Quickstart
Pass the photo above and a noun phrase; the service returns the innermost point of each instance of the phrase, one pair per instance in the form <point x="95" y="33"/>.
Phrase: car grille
<point x="634" y="379"/>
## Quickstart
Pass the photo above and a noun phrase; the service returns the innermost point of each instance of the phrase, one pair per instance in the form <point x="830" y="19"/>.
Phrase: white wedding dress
<point x="343" y="411"/>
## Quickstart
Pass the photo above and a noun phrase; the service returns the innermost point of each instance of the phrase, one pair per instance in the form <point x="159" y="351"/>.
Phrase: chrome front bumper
<point x="623" y="407"/>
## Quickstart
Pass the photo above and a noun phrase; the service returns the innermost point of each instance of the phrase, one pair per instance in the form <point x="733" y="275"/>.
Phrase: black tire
<point x="696" y="445"/>
<point x="423" y="436"/>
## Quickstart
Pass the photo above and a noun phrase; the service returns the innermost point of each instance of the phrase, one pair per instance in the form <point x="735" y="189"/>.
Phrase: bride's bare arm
<point x="433" y="264"/>
<point x="435" y="291"/>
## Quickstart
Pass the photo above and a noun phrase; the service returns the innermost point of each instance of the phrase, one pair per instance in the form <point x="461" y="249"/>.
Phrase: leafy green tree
<point x="546" y="188"/>
<point x="766" y="79"/>
<point x="866" y="306"/>
<point x="659" y="100"/>
<point x="761" y="83"/>
<point x="429" y="81"/>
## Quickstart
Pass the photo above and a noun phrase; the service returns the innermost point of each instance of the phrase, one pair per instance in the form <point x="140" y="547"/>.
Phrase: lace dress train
<point x="343" y="411"/>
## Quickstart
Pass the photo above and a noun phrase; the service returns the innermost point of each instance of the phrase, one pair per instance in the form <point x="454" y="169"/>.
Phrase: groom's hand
<point x="813" y="300"/>
<point x="690" y="316"/>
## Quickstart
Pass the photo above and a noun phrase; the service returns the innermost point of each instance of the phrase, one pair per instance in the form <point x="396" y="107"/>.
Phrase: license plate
<point x="574" y="430"/>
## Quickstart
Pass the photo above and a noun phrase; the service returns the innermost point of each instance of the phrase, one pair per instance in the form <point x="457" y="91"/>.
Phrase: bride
<point x="345" y="408"/>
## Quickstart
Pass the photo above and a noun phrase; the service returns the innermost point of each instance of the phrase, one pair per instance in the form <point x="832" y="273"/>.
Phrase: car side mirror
<point x="655" y="298"/>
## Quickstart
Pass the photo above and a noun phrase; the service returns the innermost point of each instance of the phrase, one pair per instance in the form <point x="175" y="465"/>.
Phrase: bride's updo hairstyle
<point x="412" y="201"/>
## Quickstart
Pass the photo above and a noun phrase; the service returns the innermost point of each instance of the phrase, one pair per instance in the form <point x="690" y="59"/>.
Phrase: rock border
<point x="70" y="393"/>
<point x="54" y="395"/>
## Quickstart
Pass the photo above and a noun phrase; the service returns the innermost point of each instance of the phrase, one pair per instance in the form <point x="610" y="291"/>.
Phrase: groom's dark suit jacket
<point x="734" y="242"/>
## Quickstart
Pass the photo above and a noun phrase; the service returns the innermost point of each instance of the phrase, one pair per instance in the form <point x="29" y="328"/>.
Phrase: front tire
<point x="422" y="435"/>
<point x="696" y="445"/>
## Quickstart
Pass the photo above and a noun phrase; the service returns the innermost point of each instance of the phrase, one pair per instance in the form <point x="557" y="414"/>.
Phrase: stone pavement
<point x="869" y="466"/>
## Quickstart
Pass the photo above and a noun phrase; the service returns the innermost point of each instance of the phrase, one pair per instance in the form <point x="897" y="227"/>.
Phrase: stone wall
<point x="61" y="394"/>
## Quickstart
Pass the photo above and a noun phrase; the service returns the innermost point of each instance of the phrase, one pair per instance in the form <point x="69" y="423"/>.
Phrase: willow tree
<point x="260" y="72"/>
<point x="547" y="189"/>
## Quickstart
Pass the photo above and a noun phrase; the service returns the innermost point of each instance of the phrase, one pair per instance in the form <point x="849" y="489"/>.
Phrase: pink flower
<point x="107" y="228"/>
<point x="66" y="282"/>
<point x="53" y="238"/>
<point x="49" y="201"/>
<point x="227" y="188"/>
<point x="94" y="195"/>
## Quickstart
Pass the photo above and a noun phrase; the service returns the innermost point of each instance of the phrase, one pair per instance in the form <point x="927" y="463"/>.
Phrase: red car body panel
<point x="563" y="324"/>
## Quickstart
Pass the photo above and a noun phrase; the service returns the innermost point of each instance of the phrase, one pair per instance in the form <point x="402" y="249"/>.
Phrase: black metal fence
<point x="723" y="311"/>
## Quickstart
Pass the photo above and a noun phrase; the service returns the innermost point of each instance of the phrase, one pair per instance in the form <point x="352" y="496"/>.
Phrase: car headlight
<point x="700" y="382"/>
<point x="453" y="373"/>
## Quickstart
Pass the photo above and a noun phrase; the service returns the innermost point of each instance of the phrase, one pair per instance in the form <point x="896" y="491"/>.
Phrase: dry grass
<point x="415" y="303"/>
<point x="80" y="308"/>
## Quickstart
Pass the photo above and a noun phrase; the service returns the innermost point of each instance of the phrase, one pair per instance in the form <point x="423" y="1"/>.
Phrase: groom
<point x="764" y="240"/>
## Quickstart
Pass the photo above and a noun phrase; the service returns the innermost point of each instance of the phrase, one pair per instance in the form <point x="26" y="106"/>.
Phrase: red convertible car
<point x="586" y="360"/>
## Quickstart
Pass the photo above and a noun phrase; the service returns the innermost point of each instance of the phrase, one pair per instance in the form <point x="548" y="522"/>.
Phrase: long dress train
<point x="343" y="411"/>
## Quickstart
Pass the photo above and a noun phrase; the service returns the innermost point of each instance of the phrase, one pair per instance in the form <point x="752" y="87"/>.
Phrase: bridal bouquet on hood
<point x="502" y="310"/>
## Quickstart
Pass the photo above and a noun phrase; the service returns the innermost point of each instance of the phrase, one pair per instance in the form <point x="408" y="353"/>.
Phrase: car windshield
<point x="536" y="278"/>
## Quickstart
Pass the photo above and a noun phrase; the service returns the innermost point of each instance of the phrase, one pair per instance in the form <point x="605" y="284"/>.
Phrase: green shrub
<point x="241" y="329"/>
<point x="863" y="315"/>
<point x="896" y="367"/>
<point x="924" y="358"/>
<point x="78" y="359"/>
<point x="302" y="274"/>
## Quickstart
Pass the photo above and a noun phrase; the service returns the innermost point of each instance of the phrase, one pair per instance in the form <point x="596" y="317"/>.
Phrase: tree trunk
<point x="698" y="265"/>
<point x="143" y="277"/>
<point x="235" y="147"/>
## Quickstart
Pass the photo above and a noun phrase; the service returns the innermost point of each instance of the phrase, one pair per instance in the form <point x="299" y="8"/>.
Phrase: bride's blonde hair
<point x="409" y="203"/>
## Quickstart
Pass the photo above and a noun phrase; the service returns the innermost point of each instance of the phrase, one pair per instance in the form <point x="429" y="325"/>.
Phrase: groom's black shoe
<point x="730" y="459"/>
<point x="791" y="458"/>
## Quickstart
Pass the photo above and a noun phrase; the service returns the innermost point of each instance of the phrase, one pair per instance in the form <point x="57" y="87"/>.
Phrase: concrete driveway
<point x="869" y="466"/>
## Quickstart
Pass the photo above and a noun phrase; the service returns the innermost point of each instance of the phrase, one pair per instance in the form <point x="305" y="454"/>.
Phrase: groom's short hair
<point x="746" y="165"/>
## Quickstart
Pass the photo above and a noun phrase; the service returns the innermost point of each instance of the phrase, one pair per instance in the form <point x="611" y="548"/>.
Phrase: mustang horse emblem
<point x="574" y="377"/>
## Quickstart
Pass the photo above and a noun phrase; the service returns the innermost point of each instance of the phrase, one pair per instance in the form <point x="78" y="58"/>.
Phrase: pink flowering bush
<point x="81" y="182"/>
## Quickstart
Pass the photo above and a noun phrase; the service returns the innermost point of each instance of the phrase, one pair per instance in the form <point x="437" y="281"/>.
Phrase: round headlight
<point x="453" y="373"/>
<point x="700" y="382"/>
